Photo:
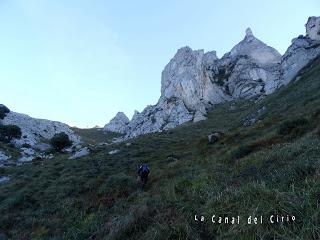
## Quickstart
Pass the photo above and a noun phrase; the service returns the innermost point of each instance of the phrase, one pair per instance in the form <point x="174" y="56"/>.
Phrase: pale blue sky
<point x="80" y="62"/>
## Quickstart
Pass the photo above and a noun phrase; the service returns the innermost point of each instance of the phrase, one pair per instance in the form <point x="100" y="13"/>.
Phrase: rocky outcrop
<point x="250" y="69"/>
<point x="194" y="81"/>
<point x="4" y="157"/>
<point x="313" y="28"/>
<point x="36" y="130"/>
<point x="118" y="124"/>
<point x="166" y="114"/>
<point x="302" y="50"/>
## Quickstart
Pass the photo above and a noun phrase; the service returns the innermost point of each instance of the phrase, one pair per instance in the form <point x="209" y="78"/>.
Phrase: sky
<point x="80" y="62"/>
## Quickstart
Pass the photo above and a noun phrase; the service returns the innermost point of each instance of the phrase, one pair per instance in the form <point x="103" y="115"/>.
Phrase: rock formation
<point x="313" y="28"/>
<point x="302" y="50"/>
<point x="118" y="124"/>
<point x="193" y="81"/>
<point x="80" y="153"/>
<point x="36" y="130"/>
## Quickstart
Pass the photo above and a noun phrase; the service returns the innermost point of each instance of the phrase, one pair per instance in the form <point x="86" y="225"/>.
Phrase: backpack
<point x="145" y="169"/>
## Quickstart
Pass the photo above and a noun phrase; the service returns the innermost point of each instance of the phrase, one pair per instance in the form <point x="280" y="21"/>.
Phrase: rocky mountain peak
<point x="193" y="81"/>
<point x="118" y="124"/>
<point x="255" y="49"/>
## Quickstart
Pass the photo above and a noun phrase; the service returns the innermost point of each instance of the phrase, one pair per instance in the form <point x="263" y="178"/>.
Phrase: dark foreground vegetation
<point x="270" y="167"/>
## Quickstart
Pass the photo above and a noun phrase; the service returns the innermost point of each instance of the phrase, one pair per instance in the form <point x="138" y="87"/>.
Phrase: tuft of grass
<point x="293" y="126"/>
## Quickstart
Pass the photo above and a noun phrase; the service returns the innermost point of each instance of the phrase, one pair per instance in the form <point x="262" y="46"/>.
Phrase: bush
<point x="60" y="141"/>
<point x="8" y="132"/>
<point x="3" y="111"/>
<point x="289" y="126"/>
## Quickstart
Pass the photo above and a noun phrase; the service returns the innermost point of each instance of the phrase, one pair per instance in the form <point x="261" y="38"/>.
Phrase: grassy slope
<point x="270" y="167"/>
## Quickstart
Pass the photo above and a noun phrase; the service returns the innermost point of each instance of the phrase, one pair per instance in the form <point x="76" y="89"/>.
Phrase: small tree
<point x="3" y="111"/>
<point x="8" y="132"/>
<point x="60" y="141"/>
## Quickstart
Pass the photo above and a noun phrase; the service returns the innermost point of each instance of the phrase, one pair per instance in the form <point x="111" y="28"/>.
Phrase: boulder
<point x="115" y="151"/>
<point x="42" y="146"/>
<point x="214" y="137"/>
<point x="4" y="157"/>
<point x="4" y="179"/>
<point x="81" y="153"/>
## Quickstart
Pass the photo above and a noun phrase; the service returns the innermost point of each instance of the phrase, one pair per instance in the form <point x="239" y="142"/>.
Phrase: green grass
<point x="256" y="170"/>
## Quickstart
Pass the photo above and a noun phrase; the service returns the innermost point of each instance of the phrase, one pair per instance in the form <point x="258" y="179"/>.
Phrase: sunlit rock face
<point x="186" y="77"/>
<point x="36" y="130"/>
<point x="250" y="69"/>
<point x="118" y="124"/>
<point x="313" y="28"/>
<point x="194" y="81"/>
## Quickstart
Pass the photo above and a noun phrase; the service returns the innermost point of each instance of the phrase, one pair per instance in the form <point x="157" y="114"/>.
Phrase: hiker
<point x="143" y="172"/>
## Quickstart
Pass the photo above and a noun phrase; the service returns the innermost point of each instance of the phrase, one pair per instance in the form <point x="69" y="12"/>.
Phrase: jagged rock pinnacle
<point x="249" y="32"/>
<point x="193" y="81"/>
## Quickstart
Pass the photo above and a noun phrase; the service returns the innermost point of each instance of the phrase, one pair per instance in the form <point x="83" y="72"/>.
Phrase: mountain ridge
<point x="194" y="81"/>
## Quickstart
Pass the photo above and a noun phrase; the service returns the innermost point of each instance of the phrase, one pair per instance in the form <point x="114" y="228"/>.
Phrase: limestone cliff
<point x="193" y="81"/>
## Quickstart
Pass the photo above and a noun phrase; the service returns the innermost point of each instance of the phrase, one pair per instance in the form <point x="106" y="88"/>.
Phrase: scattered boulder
<point x="4" y="179"/>
<point x="26" y="159"/>
<point x="249" y="120"/>
<point x="27" y="155"/>
<point x="115" y="151"/>
<point x="254" y="117"/>
<point x="214" y="137"/>
<point x="81" y="153"/>
<point x="118" y="140"/>
<point x="27" y="151"/>
<point x="4" y="157"/>
<point x="42" y="146"/>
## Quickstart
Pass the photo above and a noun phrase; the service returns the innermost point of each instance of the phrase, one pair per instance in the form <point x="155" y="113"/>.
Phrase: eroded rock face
<point x="35" y="130"/>
<point x="166" y="114"/>
<point x="313" y="28"/>
<point x="302" y="50"/>
<point x="193" y="81"/>
<point x="250" y="69"/>
<point x="118" y="124"/>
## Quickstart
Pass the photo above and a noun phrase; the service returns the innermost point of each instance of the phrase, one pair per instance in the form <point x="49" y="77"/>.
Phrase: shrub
<point x="60" y="141"/>
<point x="8" y="132"/>
<point x="289" y="126"/>
<point x="3" y="111"/>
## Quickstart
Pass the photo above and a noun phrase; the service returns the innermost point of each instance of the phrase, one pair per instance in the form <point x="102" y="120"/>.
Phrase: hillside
<point x="269" y="167"/>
